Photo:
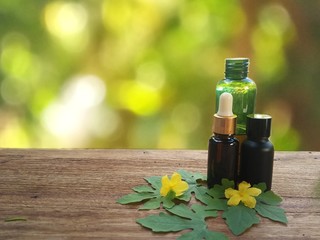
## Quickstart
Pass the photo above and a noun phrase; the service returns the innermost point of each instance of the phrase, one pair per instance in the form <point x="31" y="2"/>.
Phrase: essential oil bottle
<point x="257" y="151"/>
<point x="223" y="147"/>
<point x="243" y="90"/>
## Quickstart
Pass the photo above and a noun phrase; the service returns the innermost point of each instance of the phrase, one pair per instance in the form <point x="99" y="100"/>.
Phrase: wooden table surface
<point x="71" y="194"/>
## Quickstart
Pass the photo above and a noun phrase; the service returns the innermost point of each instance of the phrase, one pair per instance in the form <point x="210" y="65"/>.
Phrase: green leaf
<point x="186" y="196"/>
<point x="190" y="177"/>
<point x="270" y="198"/>
<point x="206" y="199"/>
<point x="226" y="183"/>
<point x="143" y="188"/>
<point x="135" y="197"/>
<point x="214" y="198"/>
<point x="218" y="190"/>
<point x="194" y="186"/>
<point x="167" y="202"/>
<point x="155" y="203"/>
<point x="196" y="212"/>
<point x="200" y="176"/>
<point x="200" y="193"/>
<point x="203" y="211"/>
<point x="155" y="181"/>
<point x="261" y="186"/>
<point x="214" y="203"/>
<point x="152" y="194"/>
<point x="152" y="204"/>
<point x="182" y="210"/>
<point x="15" y="219"/>
<point x="183" y="218"/>
<point x="217" y="204"/>
<point x="203" y="234"/>
<point x="239" y="218"/>
<point x="274" y="213"/>
<point x="164" y="223"/>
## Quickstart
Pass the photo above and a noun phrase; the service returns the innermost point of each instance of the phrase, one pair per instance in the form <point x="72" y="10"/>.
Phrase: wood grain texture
<point x="71" y="194"/>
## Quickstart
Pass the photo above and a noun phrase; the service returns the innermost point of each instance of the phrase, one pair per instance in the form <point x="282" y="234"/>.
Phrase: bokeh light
<point x="272" y="34"/>
<point x="67" y="21"/>
<point x="142" y="74"/>
<point x="71" y="118"/>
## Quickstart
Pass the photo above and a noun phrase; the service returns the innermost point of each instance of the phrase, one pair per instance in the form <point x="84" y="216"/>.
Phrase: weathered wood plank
<point x="71" y="194"/>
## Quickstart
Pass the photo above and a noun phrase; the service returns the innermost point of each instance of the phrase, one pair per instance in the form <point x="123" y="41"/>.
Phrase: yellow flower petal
<point x="165" y="188"/>
<point x="243" y="186"/>
<point x="165" y="180"/>
<point x="175" y="178"/>
<point x="180" y="188"/>
<point x="230" y="192"/>
<point x="164" y="191"/>
<point x="174" y="184"/>
<point x="245" y="195"/>
<point x="254" y="191"/>
<point x="249" y="201"/>
<point x="234" y="200"/>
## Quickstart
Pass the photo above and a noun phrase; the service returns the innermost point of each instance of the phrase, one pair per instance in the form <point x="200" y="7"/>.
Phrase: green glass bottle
<point x="243" y="90"/>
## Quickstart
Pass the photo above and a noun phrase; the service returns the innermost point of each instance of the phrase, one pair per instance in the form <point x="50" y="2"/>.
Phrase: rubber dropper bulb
<point x="224" y="119"/>
<point x="225" y="105"/>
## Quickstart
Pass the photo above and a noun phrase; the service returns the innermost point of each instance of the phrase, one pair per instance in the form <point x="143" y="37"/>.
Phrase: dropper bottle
<point x="243" y="90"/>
<point x="223" y="146"/>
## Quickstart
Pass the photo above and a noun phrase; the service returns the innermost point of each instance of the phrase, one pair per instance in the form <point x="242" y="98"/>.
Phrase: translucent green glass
<point x="242" y="88"/>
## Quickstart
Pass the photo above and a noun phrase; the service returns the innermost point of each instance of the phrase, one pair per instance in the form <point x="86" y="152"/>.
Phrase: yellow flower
<point x="175" y="184"/>
<point x="245" y="194"/>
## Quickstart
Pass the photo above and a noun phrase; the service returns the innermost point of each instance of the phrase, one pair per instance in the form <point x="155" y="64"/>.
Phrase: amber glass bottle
<point x="223" y="147"/>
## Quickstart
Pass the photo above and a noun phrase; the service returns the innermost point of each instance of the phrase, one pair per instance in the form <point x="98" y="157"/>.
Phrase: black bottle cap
<point x="258" y="125"/>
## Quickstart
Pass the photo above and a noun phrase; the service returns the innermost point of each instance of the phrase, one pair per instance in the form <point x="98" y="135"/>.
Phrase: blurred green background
<point x="142" y="73"/>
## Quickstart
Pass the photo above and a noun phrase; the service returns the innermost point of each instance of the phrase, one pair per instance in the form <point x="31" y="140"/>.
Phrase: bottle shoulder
<point x="258" y="143"/>
<point x="236" y="84"/>
<point x="224" y="139"/>
<point x="241" y="80"/>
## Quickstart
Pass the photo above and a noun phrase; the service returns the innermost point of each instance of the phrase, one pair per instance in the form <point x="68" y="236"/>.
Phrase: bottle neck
<point x="223" y="136"/>
<point x="236" y="68"/>
<point x="235" y="75"/>
<point x="258" y="138"/>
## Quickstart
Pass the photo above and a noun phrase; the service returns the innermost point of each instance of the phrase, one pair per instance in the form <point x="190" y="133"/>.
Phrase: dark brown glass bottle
<point x="222" y="158"/>
<point x="257" y="151"/>
<point x="223" y="147"/>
